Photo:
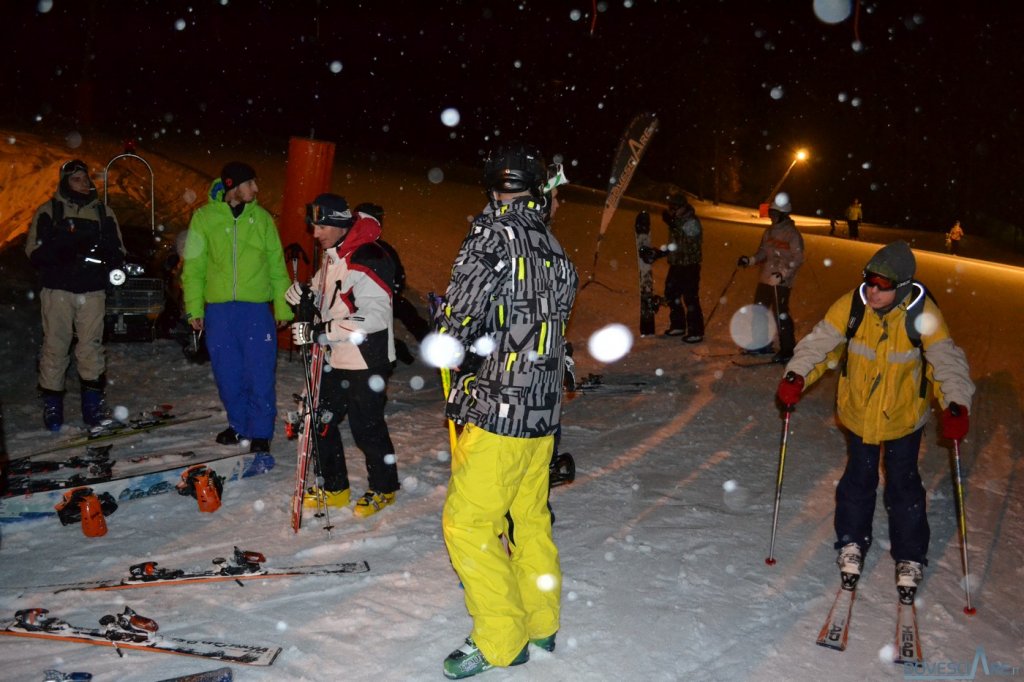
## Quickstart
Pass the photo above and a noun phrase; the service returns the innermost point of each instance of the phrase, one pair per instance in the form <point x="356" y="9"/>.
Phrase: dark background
<point x="913" y="107"/>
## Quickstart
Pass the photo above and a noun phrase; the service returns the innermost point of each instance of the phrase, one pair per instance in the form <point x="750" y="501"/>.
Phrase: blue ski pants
<point x="242" y="341"/>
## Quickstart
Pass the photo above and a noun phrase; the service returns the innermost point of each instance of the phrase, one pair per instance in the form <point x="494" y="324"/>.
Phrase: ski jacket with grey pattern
<point x="508" y="302"/>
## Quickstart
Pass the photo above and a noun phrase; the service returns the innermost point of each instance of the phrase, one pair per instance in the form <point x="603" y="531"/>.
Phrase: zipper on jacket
<point x="234" y="262"/>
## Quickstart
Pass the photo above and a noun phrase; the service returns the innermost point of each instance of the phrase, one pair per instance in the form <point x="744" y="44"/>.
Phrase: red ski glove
<point x="955" y="422"/>
<point x="790" y="388"/>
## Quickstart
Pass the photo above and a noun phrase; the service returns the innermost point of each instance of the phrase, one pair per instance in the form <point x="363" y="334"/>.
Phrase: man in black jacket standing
<point x="75" y="244"/>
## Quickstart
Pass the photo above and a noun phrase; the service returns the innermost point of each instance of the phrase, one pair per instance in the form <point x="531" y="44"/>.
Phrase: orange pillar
<point x="307" y="174"/>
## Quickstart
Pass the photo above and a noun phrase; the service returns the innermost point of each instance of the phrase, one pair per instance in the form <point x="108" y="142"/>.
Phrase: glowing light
<point x="610" y="343"/>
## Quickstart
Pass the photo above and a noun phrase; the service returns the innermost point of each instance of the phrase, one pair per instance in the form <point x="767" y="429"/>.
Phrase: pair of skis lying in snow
<point x="129" y="630"/>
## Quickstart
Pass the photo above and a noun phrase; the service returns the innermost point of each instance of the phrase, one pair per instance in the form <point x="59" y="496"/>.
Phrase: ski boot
<point x="94" y="408"/>
<point x="372" y="502"/>
<point x="850" y="561"/>
<point x="53" y="410"/>
<point x="908" y="576"/>
<point x="468" y="660"/>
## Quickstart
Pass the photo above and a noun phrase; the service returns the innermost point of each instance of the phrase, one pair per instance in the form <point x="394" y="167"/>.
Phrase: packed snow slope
<point x="664" y="533"/>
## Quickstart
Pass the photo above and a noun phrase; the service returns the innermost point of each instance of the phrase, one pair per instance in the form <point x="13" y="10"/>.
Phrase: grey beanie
<point x="895" y="261"/>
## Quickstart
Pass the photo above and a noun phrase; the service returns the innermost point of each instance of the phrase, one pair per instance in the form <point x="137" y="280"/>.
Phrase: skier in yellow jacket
<point x="883" y="404"/>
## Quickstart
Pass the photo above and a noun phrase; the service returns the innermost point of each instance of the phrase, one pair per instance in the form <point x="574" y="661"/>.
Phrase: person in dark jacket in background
<point x="405" y="310"/>
<point x="682" y="283"/>
<point x="75" y="244"/>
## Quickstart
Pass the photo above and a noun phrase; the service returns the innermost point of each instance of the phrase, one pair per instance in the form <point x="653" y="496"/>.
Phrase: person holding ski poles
<point x="509" y="299"/>
<point x="883" y="402"/>
<point x="356" y="277"/>
<point x="781" y="253"/>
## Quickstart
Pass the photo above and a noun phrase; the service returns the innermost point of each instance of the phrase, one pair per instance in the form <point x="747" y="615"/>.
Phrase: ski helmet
<point x="515" y="167"/>
<point x="330" y="210"/>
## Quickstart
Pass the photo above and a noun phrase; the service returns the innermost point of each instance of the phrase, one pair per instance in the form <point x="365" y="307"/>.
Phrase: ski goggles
<point x="880" y="282"/>
<point x="331" y="217"/>
<point x="556" y="178"/>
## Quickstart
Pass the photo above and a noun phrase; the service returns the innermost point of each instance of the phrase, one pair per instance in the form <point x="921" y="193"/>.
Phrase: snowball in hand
<point x="610" y="343"/>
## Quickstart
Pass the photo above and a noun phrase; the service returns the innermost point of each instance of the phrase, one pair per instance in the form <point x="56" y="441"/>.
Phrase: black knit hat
<point x="235" y="173"/>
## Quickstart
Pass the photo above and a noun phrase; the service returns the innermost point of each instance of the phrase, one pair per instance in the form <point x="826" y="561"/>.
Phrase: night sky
<point x="913" y="107"/>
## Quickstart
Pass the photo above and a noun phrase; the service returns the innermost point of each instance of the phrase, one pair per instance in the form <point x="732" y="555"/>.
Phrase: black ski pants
<point x="904" y="496"/>
<point x="359" y="395"/>
<point x="777" y="298"/>
<point x="682" y="294"/>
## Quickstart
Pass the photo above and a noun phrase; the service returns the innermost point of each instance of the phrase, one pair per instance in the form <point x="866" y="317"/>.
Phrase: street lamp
<point x="801" y="155"/>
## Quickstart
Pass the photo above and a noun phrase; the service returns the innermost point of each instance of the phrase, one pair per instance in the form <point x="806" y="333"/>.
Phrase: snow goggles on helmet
<point x="331" y="217"/>
<point x="880" y="282"/>
<point x="556" y="178"/>
<point x="69" y="168"/>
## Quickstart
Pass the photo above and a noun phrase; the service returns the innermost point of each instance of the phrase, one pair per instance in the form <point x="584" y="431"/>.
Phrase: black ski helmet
<point x="515" y="167"/>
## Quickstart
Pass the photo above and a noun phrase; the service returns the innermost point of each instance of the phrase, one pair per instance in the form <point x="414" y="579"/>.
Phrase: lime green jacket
<point x="233" y="259"/>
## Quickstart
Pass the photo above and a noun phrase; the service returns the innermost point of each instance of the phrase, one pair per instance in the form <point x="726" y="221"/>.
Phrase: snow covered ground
<point x="663" y="535"/>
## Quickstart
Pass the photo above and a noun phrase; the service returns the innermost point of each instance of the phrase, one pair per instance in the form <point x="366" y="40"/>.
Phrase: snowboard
<point x="40" y="503"/>
<point x="649" y="303"/>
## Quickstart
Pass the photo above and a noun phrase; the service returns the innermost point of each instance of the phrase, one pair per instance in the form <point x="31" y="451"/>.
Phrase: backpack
<point x="919" y="292"/>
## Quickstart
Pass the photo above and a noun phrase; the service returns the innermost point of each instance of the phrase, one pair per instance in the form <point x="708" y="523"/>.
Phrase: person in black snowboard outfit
<point x="682" y="284"/>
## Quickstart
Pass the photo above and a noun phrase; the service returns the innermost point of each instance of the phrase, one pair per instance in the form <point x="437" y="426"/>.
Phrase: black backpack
<point x="918" y="292"/>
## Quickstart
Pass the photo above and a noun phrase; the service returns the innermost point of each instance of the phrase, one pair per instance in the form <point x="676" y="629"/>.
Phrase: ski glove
<point x="790" y="388"/>
<point x="743" y="261"/>
<point x="649" y="255"/>
<point x="955" y="422"/>
<point x="306" y="332"/>
<point x="294" y="294"/>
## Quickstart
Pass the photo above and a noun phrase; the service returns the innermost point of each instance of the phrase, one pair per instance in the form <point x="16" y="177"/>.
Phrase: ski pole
<point x="961" y="517"/>
<point x="788" y="410"/>
<point x="721" y="296"/>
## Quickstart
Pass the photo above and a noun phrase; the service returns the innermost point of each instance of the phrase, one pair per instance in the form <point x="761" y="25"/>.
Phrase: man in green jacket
<point x="234" y="281"/>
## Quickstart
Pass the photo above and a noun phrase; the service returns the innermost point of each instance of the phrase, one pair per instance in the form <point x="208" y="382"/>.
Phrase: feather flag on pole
<point x="627" y="158"/>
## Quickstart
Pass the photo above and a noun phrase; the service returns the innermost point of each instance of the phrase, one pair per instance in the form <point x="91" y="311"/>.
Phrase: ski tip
<point x="770" y="561"/>
<point x="970" y="610"/>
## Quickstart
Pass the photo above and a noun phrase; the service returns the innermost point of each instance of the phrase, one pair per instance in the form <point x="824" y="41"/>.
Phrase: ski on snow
<point x="908" y="641"/>
<point x="219" y="675"/>
<point x="129" y="630"/>
<point x="245" y="564"/>
<point x="113" y="430"/>
<point x="836" y="629"/>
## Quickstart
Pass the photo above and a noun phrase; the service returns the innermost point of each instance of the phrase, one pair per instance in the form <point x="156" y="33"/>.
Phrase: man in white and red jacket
<point x="353" y="292"/>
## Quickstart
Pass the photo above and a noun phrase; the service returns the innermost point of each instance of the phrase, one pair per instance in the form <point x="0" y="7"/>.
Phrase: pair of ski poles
<point x="957" y="486"/>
